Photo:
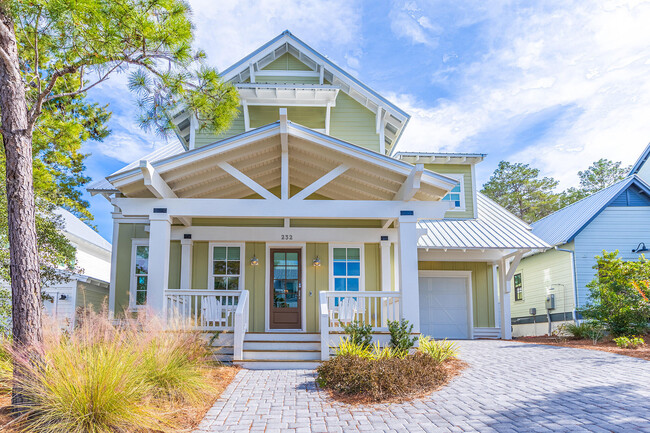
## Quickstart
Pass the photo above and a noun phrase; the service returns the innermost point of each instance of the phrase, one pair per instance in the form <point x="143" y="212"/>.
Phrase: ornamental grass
<point x="104" y="378"/>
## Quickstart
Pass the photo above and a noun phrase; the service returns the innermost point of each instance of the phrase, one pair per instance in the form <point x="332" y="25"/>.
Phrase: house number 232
<point x="286" y="237"/>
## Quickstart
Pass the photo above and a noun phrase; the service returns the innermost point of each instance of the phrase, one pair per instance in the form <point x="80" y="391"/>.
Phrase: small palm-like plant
<point x="438" y="350"/>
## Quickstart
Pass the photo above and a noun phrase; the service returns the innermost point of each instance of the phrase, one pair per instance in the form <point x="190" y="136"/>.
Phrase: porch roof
<point x="232" y="168"/>
<point x="495" y="228"/>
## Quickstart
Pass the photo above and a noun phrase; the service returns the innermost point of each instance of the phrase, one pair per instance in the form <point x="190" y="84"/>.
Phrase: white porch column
<point x="408" y="272"/>
<point x="159" y="239"/>
<point x="116" y="235"/>
<point x="504" y="298"/>
<point x="186" y="263"/>
<point x="385" y="266"/>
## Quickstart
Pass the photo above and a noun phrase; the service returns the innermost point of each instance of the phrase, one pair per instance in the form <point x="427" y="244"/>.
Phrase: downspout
<point x="574" y="277"/>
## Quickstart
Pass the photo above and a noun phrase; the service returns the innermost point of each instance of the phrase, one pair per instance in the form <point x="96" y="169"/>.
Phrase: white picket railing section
<point x="211" y="310"/>
<point x="338" y="309"/>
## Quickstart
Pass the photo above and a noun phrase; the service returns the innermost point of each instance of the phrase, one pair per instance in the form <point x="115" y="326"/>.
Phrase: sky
<point x="556" y="84"/>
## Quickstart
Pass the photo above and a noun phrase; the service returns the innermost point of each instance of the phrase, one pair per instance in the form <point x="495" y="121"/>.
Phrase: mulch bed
<point x="606" y="345"/>
<point x="186" y="417"/>
<point x="452" y="367"/>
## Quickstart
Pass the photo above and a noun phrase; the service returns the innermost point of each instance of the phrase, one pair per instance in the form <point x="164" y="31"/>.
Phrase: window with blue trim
<point x="455" y="195"/>
<point x="346" y="269"/>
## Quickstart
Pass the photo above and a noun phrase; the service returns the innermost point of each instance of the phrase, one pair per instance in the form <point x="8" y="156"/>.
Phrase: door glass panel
<point x="286" y="280"/>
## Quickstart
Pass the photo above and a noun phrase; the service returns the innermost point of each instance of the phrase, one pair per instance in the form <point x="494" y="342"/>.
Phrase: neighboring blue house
<point x="548" y="285"/>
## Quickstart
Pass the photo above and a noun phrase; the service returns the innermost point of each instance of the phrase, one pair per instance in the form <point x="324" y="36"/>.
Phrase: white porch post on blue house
<point x="408" y="272"/>
<point x="158" y="280"/>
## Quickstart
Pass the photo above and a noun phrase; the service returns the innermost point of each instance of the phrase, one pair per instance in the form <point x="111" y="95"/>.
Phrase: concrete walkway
<point x="508" y="387"/>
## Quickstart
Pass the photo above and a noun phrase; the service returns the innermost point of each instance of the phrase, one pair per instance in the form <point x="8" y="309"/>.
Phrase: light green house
<point x="303" y="217"/>
<point x="550" y="286"/>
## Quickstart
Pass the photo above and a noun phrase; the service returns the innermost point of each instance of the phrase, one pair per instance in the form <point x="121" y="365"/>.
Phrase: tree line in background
<point x="519" y="188"/>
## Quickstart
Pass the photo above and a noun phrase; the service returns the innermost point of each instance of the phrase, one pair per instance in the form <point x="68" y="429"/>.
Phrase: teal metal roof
<point x="564" y="225"/>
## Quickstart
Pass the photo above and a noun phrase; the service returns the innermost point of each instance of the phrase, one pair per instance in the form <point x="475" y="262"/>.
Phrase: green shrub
<point x="619" y="297"/>
<point x="629" y="342"/>
<point x="578" y="330"/>
<point x="359" y="333"/>
<point x="400" y="335"/>
<point x="381" y="379"/>
<point x="438" y="350"/>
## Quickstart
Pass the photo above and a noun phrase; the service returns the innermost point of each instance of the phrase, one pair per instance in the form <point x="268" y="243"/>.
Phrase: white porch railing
<point x="211" y="310"/>
<point x="338" y="309"/>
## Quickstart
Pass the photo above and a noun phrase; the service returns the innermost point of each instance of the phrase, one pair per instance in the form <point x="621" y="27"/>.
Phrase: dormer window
<point x="457" y="194"/>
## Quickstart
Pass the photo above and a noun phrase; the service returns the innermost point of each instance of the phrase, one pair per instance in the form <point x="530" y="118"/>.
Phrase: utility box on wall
<point x="550" y="302"/>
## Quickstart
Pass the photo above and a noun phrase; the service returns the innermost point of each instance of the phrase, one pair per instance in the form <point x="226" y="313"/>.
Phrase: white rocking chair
<point x="213" y="312"/>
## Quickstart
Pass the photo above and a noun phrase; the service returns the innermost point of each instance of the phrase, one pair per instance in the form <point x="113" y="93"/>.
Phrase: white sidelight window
<point x="226" y="270"/>
<point x="346" y="270"/>
<point x="457" y="194"/>
<point x="139" y="273"/>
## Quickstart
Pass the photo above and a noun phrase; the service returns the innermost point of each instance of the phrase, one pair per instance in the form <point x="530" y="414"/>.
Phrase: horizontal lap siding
<point x="352" y="122"/>
<point x="311" y="117"/>
<point x="616" y="228"/>
<point x="482" y="287"/>
<point x="468" y="184"/>
<point x="91" y="296"/>
<point x="287" y="62"/>
<point x="205" y="136"/>
<point x="127" y="232"/>
<point x="543" y="274"/>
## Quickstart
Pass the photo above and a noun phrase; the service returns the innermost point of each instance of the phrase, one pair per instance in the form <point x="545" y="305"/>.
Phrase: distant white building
<point x="91" y="286"/>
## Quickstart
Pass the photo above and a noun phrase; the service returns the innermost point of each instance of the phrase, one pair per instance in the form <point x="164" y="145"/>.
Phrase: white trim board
<point x="457" y="274"/>
<point x="303" y="282"/>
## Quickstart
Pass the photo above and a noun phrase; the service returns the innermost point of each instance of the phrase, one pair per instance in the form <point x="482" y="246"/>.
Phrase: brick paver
<point x="508" y="387"/>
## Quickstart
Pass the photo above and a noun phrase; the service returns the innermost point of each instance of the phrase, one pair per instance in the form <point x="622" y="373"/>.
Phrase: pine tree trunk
<point x="17" y="139"/>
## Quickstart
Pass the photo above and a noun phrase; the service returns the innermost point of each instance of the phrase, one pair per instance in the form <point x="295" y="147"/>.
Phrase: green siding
<point x="238" y="222"/>
<point x="542" y="274"/>
<point x="352" y="122"/>
<point x="337" y="223"/>
<point x="205" y="136"/>
<point x="372" y="267"/>
<point x="287" y="62"/>
<point x="255" y="283"/>
<point x="311" y="117"/>
<point x="482" y="287"/>
<point x="91" y="296"/>
<point x="200" y="257"/>
<point x="317" y="279"/>
<point x="126" y="233"/>
<point x="466" y="171"/>
<point x="174" y="265"/>
<point x="287" y="80"/>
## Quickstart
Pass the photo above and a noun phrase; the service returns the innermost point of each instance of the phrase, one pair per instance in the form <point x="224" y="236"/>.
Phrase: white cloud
<point x="230" y="30"/>
<point x="407" y="21"/>
<point x="589" y="64"/>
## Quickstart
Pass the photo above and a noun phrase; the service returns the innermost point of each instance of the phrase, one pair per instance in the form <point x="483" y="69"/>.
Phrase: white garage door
<point x="443" y="307"/>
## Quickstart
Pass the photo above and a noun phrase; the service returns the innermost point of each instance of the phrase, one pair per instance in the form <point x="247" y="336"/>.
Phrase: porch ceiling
<point x="213" y="171"/>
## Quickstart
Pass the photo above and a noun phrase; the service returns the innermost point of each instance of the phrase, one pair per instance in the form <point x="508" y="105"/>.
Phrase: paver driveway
<point x="508" y="387"/>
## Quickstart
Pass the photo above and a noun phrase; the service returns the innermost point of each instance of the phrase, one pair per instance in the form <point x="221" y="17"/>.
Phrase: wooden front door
<point x="286" y="287"/>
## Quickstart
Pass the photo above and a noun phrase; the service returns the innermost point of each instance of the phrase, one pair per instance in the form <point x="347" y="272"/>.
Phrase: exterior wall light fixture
<point x="254" y="261"/>
<point x="316" y="261"/>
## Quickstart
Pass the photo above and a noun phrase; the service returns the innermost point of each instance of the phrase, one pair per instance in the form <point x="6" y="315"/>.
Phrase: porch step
<point x="276" y="364"/>
<point x="286" y="345"/>
<point x="280" y="350"/>
<point x="282" y="354"/>
<point x="282" y="336"/>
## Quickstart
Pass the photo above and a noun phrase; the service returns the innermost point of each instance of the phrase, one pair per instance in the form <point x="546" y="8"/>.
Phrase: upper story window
<point x="225" y="267"/>
<point x="519" y="288"/>
<point x="139" y="273"/>
<point x="457" y="194"/>
<point x="347" y="268"/>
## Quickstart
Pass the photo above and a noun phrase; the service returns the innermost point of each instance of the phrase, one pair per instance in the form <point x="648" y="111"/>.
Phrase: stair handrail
<point x="240" y="325"/>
